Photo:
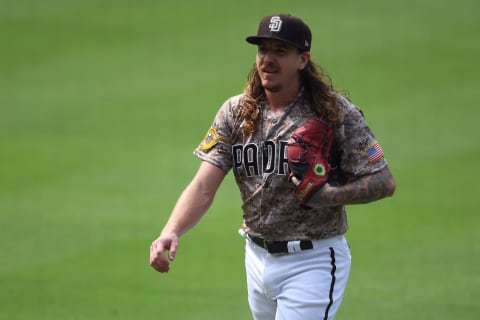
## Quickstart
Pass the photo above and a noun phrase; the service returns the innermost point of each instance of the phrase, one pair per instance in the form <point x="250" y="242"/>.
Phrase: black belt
<point x="281" y="246"/>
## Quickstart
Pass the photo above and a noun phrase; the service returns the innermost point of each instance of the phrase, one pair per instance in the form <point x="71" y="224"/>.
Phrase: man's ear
<point x="304" y="58"/>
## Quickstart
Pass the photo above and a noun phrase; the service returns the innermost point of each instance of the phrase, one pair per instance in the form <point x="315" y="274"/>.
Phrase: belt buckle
<point x="294" y="246"/>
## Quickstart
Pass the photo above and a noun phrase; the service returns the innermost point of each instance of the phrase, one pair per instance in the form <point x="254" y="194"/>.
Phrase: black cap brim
<point x="256" y="40"/>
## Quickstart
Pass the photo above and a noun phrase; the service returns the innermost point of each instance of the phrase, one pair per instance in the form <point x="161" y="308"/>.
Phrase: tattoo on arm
<point x="366" y="189"/>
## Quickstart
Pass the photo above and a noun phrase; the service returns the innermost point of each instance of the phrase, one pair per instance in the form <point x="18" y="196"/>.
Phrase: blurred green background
<point x="102" y="103"/>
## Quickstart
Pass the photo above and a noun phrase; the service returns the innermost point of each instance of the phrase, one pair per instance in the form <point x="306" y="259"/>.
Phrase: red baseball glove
<point x="308" y="153"/>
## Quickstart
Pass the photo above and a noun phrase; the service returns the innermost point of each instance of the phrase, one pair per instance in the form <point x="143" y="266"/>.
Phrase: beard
<point x="272" y="87"/>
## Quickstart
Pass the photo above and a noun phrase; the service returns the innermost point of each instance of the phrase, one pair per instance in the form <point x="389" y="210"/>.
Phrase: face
<point x="278" y="64"/>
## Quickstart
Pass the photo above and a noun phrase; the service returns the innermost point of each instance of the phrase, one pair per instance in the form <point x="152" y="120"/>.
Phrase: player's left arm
<point x="366" y="189"/>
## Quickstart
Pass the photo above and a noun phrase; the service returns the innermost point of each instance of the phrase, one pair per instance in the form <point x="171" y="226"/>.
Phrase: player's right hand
<point x="158" y="249"/>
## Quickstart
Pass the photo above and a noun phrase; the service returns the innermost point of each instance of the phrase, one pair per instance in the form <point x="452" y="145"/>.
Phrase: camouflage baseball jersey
<point x="259" y="163"/>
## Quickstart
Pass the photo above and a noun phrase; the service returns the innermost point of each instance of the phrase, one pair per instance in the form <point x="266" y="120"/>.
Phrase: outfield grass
<point x="102" y="103"/>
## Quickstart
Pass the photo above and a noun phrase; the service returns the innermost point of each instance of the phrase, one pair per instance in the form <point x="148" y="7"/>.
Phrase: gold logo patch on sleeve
<point x="209" y="140"/>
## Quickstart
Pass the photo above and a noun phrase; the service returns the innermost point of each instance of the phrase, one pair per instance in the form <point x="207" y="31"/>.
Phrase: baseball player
<point x="300" y="152"/>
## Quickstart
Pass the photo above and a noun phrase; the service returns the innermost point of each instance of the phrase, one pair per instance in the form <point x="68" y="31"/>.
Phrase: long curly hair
<point x="318" y="92"/>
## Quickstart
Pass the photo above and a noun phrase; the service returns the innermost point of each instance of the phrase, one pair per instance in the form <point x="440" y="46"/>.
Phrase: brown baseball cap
<point x="284" y="27"/>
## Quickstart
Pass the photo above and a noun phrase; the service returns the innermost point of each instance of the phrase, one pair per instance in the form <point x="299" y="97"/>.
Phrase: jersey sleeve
<point x="361" y="153"/>
<point x="216" y="146"/>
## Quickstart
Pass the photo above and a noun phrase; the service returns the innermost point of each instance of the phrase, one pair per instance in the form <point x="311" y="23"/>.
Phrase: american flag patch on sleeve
<point x="374" y="152"/>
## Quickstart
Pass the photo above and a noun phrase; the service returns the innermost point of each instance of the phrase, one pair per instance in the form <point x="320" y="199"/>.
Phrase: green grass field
<point x="102" y="103"/>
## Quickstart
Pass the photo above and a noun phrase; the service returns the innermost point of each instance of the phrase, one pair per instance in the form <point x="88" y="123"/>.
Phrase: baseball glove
<point x="308" y="152"/>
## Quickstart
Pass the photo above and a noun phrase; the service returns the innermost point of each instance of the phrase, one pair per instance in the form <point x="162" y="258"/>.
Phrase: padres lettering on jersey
<point x="253" y="159"/>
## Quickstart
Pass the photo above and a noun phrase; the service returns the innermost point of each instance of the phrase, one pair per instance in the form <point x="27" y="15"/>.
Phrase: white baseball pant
<point x="303" y="285"/>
